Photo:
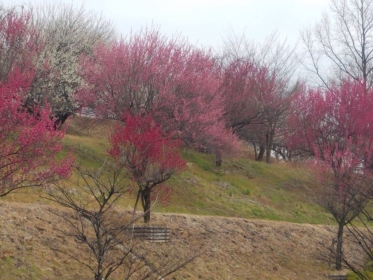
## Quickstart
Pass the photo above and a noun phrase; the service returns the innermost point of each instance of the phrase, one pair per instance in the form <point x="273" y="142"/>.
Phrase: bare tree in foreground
<point x="359" y="229"/>
<point x="105" y="233"/>
<point x="346" y="200"/>
<point x="362" y="234"/>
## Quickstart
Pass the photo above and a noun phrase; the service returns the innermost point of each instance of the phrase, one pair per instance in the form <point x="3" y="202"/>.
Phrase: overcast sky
<point x="206" y="22"/>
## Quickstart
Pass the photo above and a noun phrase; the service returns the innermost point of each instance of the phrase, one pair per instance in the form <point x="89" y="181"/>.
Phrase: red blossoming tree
<point x="256" y="103"/>
<point x="148" y="156"/>
<point x="28" y="141"/>
<point x="334" y="126"/>
<point x="190" y="107"/>
<point x="174" y="81"/>
<point x="126" y="74"/>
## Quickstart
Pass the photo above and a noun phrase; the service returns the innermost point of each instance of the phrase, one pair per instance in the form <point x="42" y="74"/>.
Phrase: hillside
<point x="240" y="188"/>
<point x="249" y="220"/>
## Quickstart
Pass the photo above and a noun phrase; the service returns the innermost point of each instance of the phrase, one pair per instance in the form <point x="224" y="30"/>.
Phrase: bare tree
<point x="93" y="223"/>
<point x="346" y="199"/>
<point x="273" y="53"/>
<point x="106" y="232"/>
<point x="352" y="209"/>
<point x="341" y="44"/>
<point x="362" y="236"/>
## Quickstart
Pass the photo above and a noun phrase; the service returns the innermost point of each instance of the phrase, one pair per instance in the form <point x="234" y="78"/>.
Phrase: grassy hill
<point x="240" y="188"/>
<point x="250" y="219"/>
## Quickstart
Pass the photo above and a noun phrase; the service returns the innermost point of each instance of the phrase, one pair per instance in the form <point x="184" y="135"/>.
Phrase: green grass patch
<point x="10" y="268"/>
<point x="353" y="276"/>
<point x="241" y="187"/>
<point x="244" y="188"/>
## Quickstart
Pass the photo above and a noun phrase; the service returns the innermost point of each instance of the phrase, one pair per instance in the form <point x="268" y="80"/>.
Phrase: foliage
<point x="176" y="82"/>
<point x="124" y="75"/>
<point x="29" y="142"/>
<point x="333" y="123"/>
<point x="19" y="43"/>
<point x="66" y="32"/>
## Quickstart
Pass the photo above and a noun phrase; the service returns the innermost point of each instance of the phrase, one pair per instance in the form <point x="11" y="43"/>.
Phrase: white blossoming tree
<point x="67" y="32"/>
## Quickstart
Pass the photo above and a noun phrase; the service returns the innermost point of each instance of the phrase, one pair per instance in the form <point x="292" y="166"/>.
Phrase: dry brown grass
<point x="232" y="248"/>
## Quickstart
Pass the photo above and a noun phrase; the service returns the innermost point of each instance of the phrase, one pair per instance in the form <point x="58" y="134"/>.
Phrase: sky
<point x="206" y="22"/>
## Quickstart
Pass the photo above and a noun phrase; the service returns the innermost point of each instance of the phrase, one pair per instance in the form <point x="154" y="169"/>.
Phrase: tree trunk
<point x="268" y="155"/>
<point x="98" y="276"/>
<point x="100" y="250"/>
<point x="146" y="204"/>
<point x="255" y="151"/>
<point x="99" y="273"/>
<point x="269" y="143"/>
<point x="339" y="251"/>
<point x="60" y="120"/>
<point x="137" y="200"/>
<point x="218" y="159"/>
<point x="261" y="153"/>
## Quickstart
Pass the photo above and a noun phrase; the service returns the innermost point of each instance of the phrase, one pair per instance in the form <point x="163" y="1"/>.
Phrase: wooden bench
<point x="151" y="233"/>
